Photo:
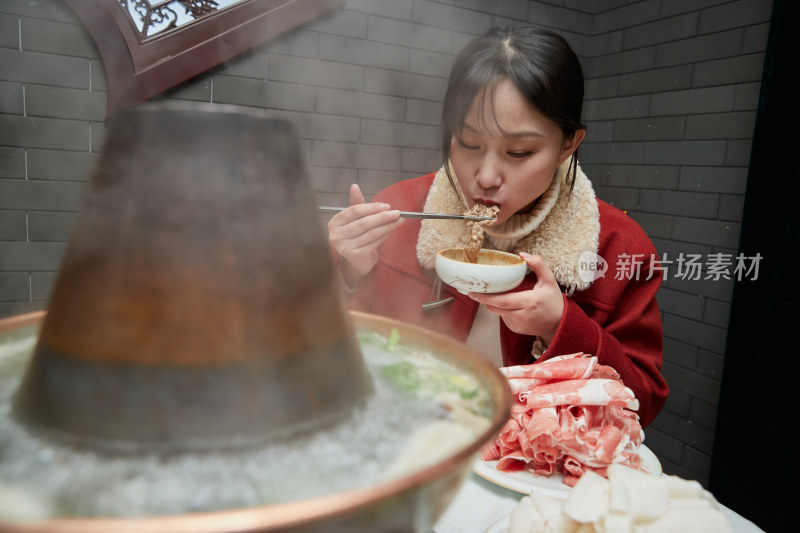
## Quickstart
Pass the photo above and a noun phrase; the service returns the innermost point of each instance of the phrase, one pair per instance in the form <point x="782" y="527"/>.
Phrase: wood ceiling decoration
<point x="149" y="46"/>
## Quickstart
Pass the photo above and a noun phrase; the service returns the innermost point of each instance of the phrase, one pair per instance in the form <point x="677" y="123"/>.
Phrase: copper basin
<point x="196" y="309"/>
<point x="411" y="503"/>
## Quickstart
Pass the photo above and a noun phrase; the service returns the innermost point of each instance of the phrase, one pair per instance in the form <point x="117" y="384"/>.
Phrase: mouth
<point x="484" y="201"/>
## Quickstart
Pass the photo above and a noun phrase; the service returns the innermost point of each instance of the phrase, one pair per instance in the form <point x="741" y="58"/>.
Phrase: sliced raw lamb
<point x="570" y="415"/>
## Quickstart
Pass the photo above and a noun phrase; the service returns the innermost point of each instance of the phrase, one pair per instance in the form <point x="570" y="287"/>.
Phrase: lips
<point x="484" y="201"/>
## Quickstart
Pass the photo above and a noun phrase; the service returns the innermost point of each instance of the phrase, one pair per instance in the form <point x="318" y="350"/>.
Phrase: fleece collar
<point x="569" y="228"/>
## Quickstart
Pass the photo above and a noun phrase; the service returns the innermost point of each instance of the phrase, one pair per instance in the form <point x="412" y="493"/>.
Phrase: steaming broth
<point x="423" y="410"/>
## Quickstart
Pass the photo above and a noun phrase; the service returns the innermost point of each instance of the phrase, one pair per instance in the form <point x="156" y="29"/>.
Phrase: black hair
<point x="538" y="62"/>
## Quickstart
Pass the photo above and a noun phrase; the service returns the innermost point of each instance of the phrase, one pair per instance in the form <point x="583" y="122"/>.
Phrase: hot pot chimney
<point x="196" y="306"/>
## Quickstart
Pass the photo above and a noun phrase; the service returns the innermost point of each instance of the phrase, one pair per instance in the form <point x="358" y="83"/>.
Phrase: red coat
<point x="615" y="319"/>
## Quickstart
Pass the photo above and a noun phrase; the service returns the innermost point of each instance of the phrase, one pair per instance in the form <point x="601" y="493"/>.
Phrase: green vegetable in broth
<point x="421" y="380"/>
<point x="394" y="340"/>
<point x="420" y="375"/>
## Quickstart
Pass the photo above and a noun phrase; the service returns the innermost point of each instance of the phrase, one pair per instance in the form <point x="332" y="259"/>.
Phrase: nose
<point x="489" y="175"/>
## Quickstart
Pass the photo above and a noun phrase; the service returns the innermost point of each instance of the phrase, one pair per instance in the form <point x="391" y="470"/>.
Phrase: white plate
<point x="524" y="482"/>
<point x="501" y="526"/>
<point x="738" y="523"/>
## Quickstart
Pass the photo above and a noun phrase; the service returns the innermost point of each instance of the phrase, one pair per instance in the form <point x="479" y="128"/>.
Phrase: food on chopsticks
<point x="476" y="229"/>
<point x="628" y="501"/>
<point x="569" y="415"/>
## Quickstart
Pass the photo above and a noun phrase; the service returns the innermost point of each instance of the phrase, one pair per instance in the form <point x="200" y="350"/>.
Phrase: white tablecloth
<point x="479" y="504"/>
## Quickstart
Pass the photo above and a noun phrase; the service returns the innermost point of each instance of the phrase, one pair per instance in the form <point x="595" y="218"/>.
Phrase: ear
<point x="571" y="144"/>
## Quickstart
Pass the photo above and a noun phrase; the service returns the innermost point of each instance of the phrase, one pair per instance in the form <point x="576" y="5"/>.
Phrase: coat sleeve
<point x="405" y="195"/>
<point x="630" y="341"/>
<point x="618" y="319"/>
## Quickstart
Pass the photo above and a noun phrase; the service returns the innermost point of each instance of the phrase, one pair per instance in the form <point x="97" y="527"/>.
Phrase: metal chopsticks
<point x="413" y="214"/>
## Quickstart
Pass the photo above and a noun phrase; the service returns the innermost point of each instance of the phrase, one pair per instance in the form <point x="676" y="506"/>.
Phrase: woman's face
<point x="507" y="154"/>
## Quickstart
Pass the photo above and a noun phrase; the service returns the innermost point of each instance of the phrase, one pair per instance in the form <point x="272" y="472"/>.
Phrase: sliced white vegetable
<point x="700" y="519"/>
<point x="682" y="488"/>
<point x="588" y="501"/>
<point x="629" y="501"/>
<point x="524" y="517"/>
<point x="617" y="523"/>
<point x="548" y="507"/>
<point x="637" y="493"/>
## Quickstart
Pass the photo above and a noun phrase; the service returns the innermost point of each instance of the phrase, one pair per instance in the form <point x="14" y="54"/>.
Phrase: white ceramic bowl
<point x="495" y="271"/>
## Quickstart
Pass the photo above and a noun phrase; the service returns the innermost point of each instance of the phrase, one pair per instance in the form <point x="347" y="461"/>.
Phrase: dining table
<point x="481" y="506"/>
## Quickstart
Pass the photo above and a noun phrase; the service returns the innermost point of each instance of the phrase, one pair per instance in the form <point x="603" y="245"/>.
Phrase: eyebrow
<point x="513" y="135"/>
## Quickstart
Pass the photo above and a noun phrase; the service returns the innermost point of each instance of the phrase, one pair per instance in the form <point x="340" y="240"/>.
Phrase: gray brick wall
<point x="672" y="89"/>
<point x="676" y="104"/>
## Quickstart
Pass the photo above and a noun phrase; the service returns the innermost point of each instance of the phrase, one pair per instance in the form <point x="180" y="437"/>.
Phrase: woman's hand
<point x="533" y="312"/>
<point x="356" y="233"/>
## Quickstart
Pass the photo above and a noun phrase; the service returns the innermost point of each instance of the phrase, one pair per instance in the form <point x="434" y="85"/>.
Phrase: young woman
<point x="511" y="132"/>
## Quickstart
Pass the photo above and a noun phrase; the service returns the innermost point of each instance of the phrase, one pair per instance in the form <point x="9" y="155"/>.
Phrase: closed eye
<point x="465" y="145"/>
<point x="519" y="155"/>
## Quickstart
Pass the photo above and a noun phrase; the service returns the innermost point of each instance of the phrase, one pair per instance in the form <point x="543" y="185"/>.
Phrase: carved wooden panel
<point x="148" y="46"/>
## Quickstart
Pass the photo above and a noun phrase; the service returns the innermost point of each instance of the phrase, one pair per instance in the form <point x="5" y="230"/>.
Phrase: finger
<point x="513" y="318"/>
<point x="364" y="236"/>
<point x="496" y="310"/>
<point x="500" y="303"/>
<point x="361" y="225"/>
<point x="356" y="196"/>
<point x="359" y="211"/>
<point x="540" y="268"/>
